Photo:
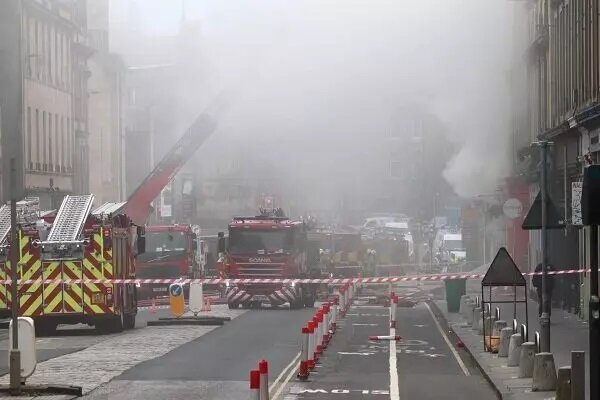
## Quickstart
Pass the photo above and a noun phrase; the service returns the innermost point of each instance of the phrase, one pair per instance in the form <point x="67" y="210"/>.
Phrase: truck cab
<point x="265" y="247"/>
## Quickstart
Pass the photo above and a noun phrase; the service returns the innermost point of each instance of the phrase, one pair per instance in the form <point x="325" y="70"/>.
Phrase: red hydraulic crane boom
<point x="138" y="206"/>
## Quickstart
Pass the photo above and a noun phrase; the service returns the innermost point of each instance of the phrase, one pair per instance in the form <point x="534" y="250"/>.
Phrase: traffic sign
<point x="176" y="300"/>
<point x="503" y="271"/>
<point x="533" y="220"/>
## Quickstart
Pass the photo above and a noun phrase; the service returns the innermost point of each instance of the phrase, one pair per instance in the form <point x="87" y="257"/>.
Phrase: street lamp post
<point x="545" y="317"/>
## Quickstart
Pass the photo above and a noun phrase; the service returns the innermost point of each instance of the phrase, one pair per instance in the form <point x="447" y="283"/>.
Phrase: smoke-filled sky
<point x="319" y="82"/>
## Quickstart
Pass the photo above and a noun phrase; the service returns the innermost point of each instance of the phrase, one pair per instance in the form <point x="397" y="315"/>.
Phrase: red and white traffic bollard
<point x="393" y="306"/>
<point x="303" y="370"/>
<point x="317" y="337"/>
<point x="325" y="324"/>
<point x="311" y="344"/>
<point x="255" y="384"/>
<point x="336" y="302"/>
<point x="342" y="301"/>
<point x="263" y="367"/>
<point x="320" y="330"/>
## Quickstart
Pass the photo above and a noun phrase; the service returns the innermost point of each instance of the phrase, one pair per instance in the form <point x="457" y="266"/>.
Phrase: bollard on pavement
<point x="393" y="307"/>
<point x="578" y="375"/>
<point x="469" y="307"/>
<point x="303" y="370"/>
<point x="311" y="344"/>
<point x="526" y="360"/>
<point x="563" y="384"/>
<point x="514" y="350"/>
<point x="318" y="336"/>
<point x="255" y="384"/>
<point x="498" y="326"/>
<point x="475" y="321"/>
<point x="505" y="335"/>
<point x="461" y="306"/>
<point x="263" y="367"/>
<point x="544" y="373"/>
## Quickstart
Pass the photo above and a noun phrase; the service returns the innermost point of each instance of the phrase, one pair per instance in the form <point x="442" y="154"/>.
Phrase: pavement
<point x="422" y="365"/>
<point x="567" y="333"/>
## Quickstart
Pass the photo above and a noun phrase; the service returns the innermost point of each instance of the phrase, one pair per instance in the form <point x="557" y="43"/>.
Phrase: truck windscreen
<point x="253" y="241"/>
<point x="160" y="242"/>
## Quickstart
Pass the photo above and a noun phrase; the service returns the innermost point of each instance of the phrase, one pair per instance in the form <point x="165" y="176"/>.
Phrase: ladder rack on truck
<point x="4" y="222"/>
<point x="65" y="236"/>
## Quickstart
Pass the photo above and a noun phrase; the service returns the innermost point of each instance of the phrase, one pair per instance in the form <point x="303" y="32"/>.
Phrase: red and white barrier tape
<point x="213" y="281"/>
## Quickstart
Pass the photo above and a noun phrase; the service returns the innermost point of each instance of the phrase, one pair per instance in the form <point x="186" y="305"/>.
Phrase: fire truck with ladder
<point x="267" y="246"/>
<point x="82" y="244"/>
<point x="85" y="244"/>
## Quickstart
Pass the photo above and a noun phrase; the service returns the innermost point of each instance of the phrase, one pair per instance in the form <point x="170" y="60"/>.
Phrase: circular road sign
<point x="512" y="208"/>
<point x="176" y="290"/>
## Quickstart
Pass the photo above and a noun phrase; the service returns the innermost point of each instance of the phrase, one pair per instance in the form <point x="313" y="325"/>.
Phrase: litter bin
<point x="455" y="288"/>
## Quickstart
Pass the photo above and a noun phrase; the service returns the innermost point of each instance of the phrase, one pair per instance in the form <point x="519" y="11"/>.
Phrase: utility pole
<point x="15" y="192"/>
<point x="15" y="354"/>
<point x="545" y="317"/>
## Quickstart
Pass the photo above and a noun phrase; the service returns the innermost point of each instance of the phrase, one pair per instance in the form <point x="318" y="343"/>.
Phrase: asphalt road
<point x="425" y="366"/>
<point x="216" y="365"/>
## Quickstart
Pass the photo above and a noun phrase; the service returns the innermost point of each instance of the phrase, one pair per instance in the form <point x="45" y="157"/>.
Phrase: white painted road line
<point x="460" y="362"/>
<point x="394" y="389"/>
<point x="292" y="367"/>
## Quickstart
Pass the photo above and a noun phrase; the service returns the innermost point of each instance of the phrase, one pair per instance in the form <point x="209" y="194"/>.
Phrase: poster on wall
<point x="576" y="190"/>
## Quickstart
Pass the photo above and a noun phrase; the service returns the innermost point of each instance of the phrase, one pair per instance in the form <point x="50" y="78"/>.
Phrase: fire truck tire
<point x="129" y="321"/>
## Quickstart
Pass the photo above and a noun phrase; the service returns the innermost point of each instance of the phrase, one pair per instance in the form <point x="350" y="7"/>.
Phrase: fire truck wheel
<point x="129" y="321"/>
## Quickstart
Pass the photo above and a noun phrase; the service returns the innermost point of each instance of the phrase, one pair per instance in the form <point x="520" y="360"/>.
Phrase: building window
<point x="69" y="144"/>
<point x="57" y="141"/>
<point x="50" y="144"/>
<point x="59" y="60"/>
<point x="49" y="52"/>
<point x="62" y="144"/>
<point x="28" y="162"/>
<point x="44" y="142"/>
<point x="37" y="51"/>
<point x="37" y="139"/>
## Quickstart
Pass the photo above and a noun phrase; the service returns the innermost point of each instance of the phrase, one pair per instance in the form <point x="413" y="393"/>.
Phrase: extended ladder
<point x="4" y="222"/>
<point x="69" y="221"/>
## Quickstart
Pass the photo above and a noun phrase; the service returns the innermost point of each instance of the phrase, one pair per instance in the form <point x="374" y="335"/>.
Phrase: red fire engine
<point x="172" y="251"/>
<point x="270" y="245"/>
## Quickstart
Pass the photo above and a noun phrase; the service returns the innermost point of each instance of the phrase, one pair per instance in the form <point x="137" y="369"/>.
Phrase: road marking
<point x="394" y="390"/>
<point x="460" y="362"/>
<point x="291" y="366"/>
<point x="344" y="353"/>
<point x="365" y="324"/>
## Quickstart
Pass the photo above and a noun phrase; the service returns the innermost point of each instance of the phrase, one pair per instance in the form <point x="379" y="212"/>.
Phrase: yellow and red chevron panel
<point x="98" y="297"/>
<point x="52" y="293"/>
<point x="30" y="268"/>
